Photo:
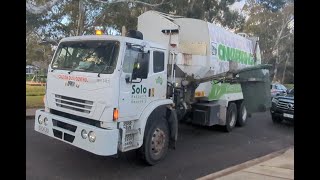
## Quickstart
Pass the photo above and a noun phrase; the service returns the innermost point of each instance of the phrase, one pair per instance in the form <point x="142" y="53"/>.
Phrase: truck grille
<point x="76" y="118"/>
<point x="285" y="105"/>
<point x="64" y="125"/>
<point x="75" y="104"/>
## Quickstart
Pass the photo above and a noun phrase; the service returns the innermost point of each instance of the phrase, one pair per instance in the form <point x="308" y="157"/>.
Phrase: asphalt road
<point x="200" y="151"/>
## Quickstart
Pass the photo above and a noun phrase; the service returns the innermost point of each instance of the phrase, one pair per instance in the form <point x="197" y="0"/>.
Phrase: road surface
<point x="200" y="151"/>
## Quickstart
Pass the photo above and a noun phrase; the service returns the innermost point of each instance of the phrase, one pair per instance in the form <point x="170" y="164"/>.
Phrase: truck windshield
<point x="87" y="56"/>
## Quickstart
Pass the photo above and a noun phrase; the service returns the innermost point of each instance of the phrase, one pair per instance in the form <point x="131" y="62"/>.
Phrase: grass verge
<point x="35" y="90"/>
<point x="34" y="102"/>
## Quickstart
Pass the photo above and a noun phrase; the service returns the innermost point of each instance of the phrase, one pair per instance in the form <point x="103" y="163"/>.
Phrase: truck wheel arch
<point x="142" y="122"/>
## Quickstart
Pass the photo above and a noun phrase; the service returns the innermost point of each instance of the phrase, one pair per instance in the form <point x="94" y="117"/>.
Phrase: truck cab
<point x="97" y="89"/>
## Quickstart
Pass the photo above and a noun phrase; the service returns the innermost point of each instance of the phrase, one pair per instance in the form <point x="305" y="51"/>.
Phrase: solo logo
<point x="139" y="90"/>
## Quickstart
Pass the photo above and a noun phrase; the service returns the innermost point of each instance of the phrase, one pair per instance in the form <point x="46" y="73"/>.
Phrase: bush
<point x="289" y="86"/>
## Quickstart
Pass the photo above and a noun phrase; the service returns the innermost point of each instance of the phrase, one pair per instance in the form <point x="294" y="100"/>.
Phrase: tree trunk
<point x="276" y="46"/>
<point x="275" y="71"/>
<point x="80" y="19"/>
<point x="285" y="68"/>
<point x="274" y="79"/>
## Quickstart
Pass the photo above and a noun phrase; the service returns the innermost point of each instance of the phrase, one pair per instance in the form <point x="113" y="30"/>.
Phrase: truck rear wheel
<point x="242" y="115"/>
<point x="231" y="117"/>
<point x="155" y="142"/>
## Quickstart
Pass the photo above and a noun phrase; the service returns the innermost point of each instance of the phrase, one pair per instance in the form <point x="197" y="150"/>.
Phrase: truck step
<point x="132" y="131"/>
<point x="129" y="148"/>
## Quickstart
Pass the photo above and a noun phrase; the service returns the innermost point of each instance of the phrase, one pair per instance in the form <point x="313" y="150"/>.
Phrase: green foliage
<point x="211" y="11"/>
<point x="36" y="52"/>
<point x="79" y="17"/>
<point x="289" y="86"/>
<point x="66" y="18"/>
<point x="272" y="5"/>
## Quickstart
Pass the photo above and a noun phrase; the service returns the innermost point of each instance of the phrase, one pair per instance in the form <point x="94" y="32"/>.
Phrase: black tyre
<point x="242" y="115"/>
<point x="231" y="117"/>
<point x="276" y="119"/>
<point x="155" y="141"/>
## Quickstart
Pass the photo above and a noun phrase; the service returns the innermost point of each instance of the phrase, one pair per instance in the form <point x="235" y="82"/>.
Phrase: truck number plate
<point x="287" y="115"/>
<point x="44" y="130"/>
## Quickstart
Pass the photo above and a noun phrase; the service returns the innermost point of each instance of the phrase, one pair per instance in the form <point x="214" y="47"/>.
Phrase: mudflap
<point x="173" y="126"/>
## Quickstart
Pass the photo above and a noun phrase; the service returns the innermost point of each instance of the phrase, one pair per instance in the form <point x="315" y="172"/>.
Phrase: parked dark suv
<point x="283" y="107"/>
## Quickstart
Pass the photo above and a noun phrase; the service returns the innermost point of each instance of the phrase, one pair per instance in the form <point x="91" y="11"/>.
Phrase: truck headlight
<point x="45" y="121"/>
<point x="40" y="120"/>
<point x="84" y="134"/>
<point x="274" y="100"/>
<point x="92" y="136"/>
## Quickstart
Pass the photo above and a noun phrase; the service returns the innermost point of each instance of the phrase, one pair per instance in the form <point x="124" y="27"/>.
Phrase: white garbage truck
<point x="109" y="94"/>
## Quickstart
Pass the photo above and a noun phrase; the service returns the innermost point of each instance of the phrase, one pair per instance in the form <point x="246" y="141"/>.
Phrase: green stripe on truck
<point x="220" y="89"/>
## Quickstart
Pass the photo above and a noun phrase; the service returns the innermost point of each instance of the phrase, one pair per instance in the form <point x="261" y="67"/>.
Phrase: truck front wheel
<point x="155" y="142"/>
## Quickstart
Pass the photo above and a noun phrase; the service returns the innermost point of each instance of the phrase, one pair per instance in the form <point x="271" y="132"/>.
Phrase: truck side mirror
<point x="127" y="78"/>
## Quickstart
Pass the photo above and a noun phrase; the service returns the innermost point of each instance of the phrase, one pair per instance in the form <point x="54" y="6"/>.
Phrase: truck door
<point x="134" y="96"/>
<point x="158" y="75"/>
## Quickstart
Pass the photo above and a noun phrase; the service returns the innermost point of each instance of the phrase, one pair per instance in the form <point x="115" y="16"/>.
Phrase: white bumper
<point x="106" y="142"/>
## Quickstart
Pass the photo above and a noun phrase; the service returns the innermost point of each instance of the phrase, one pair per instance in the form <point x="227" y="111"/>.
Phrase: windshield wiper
<point x="104" y="70"/>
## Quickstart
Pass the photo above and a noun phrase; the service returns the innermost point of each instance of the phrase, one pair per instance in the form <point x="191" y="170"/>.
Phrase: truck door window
<point x="158" y="61"/>
<point x="130" y="57"/>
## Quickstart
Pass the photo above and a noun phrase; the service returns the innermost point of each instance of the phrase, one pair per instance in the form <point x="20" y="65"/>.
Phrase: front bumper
<point x="283" y="114"/>
<point x="69" y="131"/>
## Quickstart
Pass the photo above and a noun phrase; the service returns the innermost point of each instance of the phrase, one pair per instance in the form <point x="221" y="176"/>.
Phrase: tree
<point x="208" y="10"/>
<point x="275" y="30"/>
<point x="37" y="53"/>
<point x="53" y="20"/>
<point x="151" y="4"/>
<point x="39" y="7"/>
<point x="76" y="17"/>
<point x="272" y="5"/>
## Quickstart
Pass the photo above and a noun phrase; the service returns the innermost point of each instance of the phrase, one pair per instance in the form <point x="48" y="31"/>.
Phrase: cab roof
<point x="110" y="37"/>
